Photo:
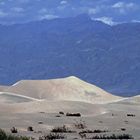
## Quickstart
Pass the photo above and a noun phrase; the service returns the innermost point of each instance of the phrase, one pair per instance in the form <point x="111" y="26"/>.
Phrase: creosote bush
<point x="62" y="129"/>
<point x="14" y="130"/>
<point x="123" y="129"/>
<point x="113" y="136"/>
<point x="131" y="115"/>
<point x="62" y="113"/>
<point x="58" y="116"/>
<point x="94" y="131"/>
<point x="30" y="128"/>
<point x="52" y="136"/>
<point x="73" y="114"/>
<point x="80" y="125"/>
<point x="4" y="136"/>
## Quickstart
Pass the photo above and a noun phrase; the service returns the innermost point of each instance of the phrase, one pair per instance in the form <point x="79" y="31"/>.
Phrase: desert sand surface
<point x="70" y="88"/>
<point x="43" y="104"/>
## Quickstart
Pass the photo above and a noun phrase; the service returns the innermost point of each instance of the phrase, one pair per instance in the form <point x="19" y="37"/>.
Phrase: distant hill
<point x="107" y="56"/>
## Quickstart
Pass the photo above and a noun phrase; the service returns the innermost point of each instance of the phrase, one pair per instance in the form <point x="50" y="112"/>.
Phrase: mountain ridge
<point x="107" y="56"/>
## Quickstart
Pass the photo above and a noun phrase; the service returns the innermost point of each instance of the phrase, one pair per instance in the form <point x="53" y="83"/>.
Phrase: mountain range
<point x="104" y="55"/>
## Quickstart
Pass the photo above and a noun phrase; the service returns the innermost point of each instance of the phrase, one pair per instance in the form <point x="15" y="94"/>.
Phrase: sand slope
<point x="7" y="97"/>
<point x="71" y="88"/>
<point x="131" y="100"/>
<point x="37" y="103"/>
<point x="3" y="87"/>
<point x="57" y="106"/>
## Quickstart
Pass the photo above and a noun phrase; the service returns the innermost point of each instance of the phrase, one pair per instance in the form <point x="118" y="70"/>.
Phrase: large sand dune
<point x="131" y="100"/>
<point x="56" y="106"/>
<point x="37" y="103"/>
<point x="71" y="88"/>
<point x="7" y="97"/>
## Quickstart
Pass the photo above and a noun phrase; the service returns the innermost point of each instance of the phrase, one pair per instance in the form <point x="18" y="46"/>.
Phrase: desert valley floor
<point x="47" y="104"/>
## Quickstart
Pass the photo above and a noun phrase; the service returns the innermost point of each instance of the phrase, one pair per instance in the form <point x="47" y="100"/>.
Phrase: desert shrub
<point x="62" y="113"/>
<point x="58" y="116"/>
<point x="73" y="114"/>
<point x="4" y="136"/>
<point x="80" y="125"/>
<point x="99" y="131"/>
<point x="62" y="129"/>
<point x="30" y="128"/>
<point x="126" y="121"/>
<point x="14" y="130"/>
<point x="40" y="122"/>
<point x="131" y="115"/>
<point x="82" y="135"/>
<point x="94" y="131"/>
<point x="113" y="136"/>
<point x="86" y="131"/>
<point x="52" y="136"/>
<point x="123" y="129"/>
<point x="42" y="112"/>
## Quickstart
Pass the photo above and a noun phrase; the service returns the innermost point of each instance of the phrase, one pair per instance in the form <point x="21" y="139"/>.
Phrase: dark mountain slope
<point x="107" y="56"/>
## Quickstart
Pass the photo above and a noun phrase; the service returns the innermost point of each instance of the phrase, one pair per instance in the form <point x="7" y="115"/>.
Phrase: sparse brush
<point x="113" y="136"/>
<point x="131" y="115"/>
<point x="94" y="131"/>
<point x="14" y="130"/>
<point x="62" y="113"/>
<point x="80" y="125"/>
<point x="62" y="129"/>
<point x="4" y="136"/>
<point x="52" y="136"/>
<point x="30" y="128"/>
<point x="73" y="114"/>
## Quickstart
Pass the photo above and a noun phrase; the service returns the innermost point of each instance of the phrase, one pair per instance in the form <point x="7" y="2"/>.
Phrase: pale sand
<point x="28" y="102"/>
<point x="71" y="88"/>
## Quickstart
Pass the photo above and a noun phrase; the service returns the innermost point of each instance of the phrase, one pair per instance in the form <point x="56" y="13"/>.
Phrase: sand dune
<point x="3" y="87"/>
<point x="136" y="98"/>
<point x="56" y="106"/>
<point x="7" y="97"/>
<point x="23" y="105"/>
<point x="37" y="103"/>
<point x="71" y="88"/>
<point x="65" y="94"/>
<point x="131" y="100"/>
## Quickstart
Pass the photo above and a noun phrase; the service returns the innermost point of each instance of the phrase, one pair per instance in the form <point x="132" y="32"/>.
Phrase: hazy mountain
<point x="107" y="56"/>
<point x="109" y="11"/>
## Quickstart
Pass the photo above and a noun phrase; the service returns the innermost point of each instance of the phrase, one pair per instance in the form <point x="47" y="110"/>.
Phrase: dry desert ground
<point x="47" y="104"/>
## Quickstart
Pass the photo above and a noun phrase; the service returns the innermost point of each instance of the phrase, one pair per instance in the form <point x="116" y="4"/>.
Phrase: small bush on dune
<point x="30" y="128"/>
<point x="13" y="130"/>
<point x="123" y="129"/>
<point x="131" y="115"/>
<point x="4" y="136"/>
<point x="40" y="122"/>
<point x="52" y="136"/>
<point x="62" y="113"/>
<point x="82" y="135"/>
<point x="94" y="131"/>
<point x="113" y="136"/>
<point x="62" y="129"/>
<point x="100" y="131"/>
<point x="80" y="125"/>
<point x="58" y="116"/>
<point x="73" y="114"/>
